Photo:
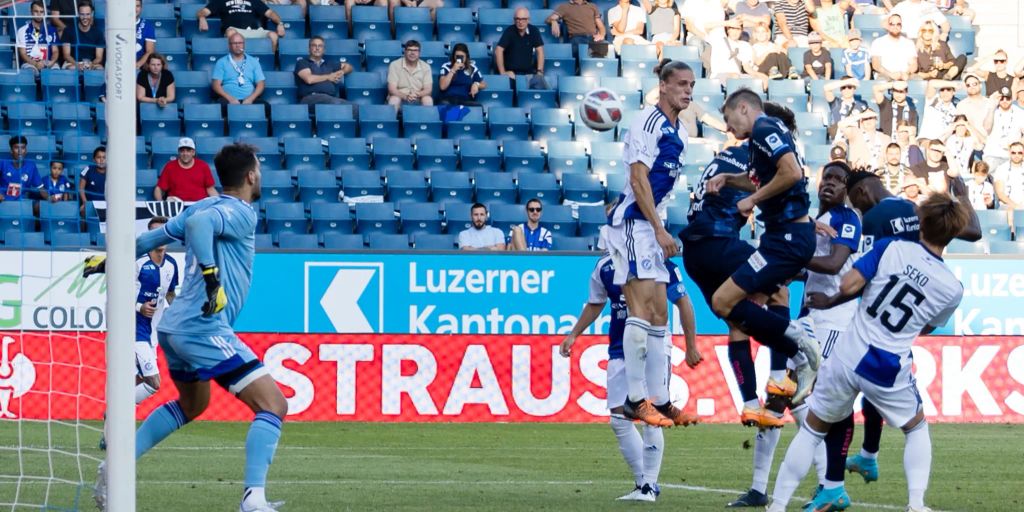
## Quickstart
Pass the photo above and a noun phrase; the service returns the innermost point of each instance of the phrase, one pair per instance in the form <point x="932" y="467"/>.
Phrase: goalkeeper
<point x="196" y="334"/>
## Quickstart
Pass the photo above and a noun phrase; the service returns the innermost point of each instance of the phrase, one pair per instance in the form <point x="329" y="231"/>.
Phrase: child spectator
<point x="58" y="185"/>
<point x="817" y="62"/>
<point x="856" y="60"/>
<point x="980" y="189"/>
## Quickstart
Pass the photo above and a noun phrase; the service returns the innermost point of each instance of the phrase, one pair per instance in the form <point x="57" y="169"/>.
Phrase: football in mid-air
<point x="601" y="109"/>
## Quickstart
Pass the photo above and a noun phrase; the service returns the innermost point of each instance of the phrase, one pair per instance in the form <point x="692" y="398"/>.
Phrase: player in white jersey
<point x="636" y="238"/>
<point x="907" y="290"/>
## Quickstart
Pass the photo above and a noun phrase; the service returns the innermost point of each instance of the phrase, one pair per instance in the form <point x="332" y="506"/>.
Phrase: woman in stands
<point x="934" y="58"/>
<point x="460" y="80"/>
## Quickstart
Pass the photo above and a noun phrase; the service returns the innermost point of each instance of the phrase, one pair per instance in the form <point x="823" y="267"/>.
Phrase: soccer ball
<point x="600" y="109"/>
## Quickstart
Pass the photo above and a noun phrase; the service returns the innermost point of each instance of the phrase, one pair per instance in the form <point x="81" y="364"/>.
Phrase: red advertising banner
<point x="437" y="378"/>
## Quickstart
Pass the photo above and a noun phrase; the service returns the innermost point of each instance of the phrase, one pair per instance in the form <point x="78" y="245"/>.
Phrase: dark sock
<point x="837" y="445"/>
<point x="779" y="359"/>
<point x="872" y="427"/>
<point x="768" y="327"/>
<point x="742" y="363"/>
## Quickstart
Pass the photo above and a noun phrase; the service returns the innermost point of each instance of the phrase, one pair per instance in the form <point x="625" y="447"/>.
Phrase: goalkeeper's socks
<point x="260" y="445"/>
<point x="143" y="391"/>
<point x="161" y="423"/>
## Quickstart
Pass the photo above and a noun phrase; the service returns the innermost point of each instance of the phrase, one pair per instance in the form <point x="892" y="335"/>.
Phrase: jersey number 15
<point x="898" y="302"/>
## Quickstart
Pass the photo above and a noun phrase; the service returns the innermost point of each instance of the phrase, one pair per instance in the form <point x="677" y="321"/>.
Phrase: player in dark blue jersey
<point x="642" y="454"/>
<point x="775" y="176"/>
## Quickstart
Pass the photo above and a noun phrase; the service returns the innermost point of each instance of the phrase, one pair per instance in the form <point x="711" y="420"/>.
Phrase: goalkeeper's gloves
<point x="216" y="299"/>
<point x="96" y="264"/>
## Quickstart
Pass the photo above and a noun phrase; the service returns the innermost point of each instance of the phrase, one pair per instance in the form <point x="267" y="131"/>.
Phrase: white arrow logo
<point x="341" y="300"/>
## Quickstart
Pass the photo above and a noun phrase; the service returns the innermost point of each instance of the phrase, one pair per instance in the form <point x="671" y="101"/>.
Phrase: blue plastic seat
<point x="70" y="241"/>
<point x="18" y="87"/>
<point x="498" y="92"/>
<point x="958" y="246"/>
<point x="16" y="216"/>
<point x="290" y="50"/>
<point x="301" y="153"/>
<point x="276" y="187"/>
<point x="159" y="121"/>
<point x="286" y="218"/>
<point x="572" y="88"/>
<point x="431" y="242"/>
<point x="292" y="17"/>
<point x="627" y="88"/>
<point x="550" y="124"/>
<point x="567" y="157"/>
<point x="583" y="188"/>
<point x="279" y="88"/>
<point x="289" y="120"/>
<point x="558" y="60"/>
<point x="614" y="183"/>
<point x="190" y="25"/>
<point x="451" y="186"/>
<point x="344" y="242"/>
<point x="388" y="241"/>
<point x="145" y="182"/>
<point x="436" y="155"/>
<point x="572" y="243"/>
<point x="597" y="66"/>
<point x="365" y="88"/>
<point x="493" y="23"/>
<point x="675" y="219"/>
<point x="163" y="18"/>
<point x="334" y="121"/>
<point x="344" y="50"/>
<point x="346" y="153"/>
<point x="538" y="18"/>
<point x="434" y="53"/>
<point x="328" y="21"/>
<point x="494" y="187"/>
<point x="41" y="149"/>
<point x="420" y="218"/>
<point x="455" y="24"/>
<point x="606" y="158"/>
<point x="458" y="216"/>
<point x="245" y="121"/>
<point x="540" y="186"/>
<point x="508" y="123"/>
<point x="391" y="153"/>
<point x="269" y="150"/>
<point x="523" y="156"/>
<point x="263" y="50"/>
<point x="421" y="122"/>
<point x="328" y="218"/>
<point x="317" y="186"/>
<point x="791" y="93"/>
<point x="376" y="218"/>
<point x="472" y="126"/>
<point x="264" y="241"/>
<point x="408" y="186"/>
<point x="381" y="53"/>
<point x="531" y="99"/>
<point x="590" y="220"/>
<point x="559" y="220"/>
<point x="503" y="216"/>
<point x="28" y="118"/>
<point x="296" y="241"/>
<point x="1005" y="247"/>
<point x="59" y="217"/>
<point x="192" y="87"/>
<point x="206" y="51"/>
<point x="94" y="83"/>
<point x="59" y="85"/>
<point x="370" y="22"/>
<point x="708" y="92"/>
<point x="413" y="23"/>
<point x="163" y="149"/>
<point x="77" y="150"/>
<point x="73" y="117"/>
<point x="479" y="155"/>
<point x="175" y="49"/>
<point x="377" y="121"/>
<point x="638" y="60"/>
<point x="362" y="184"/>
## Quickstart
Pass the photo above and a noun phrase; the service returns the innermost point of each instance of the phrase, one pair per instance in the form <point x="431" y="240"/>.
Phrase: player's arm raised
<point x="738" y="180"/>
<point x="788" y="174"/>
<point x="645" y="202"/>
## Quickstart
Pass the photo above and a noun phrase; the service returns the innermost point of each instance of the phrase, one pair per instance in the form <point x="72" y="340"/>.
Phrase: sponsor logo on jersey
<point x="774" y="142"/>
<point x="757" y="261"/>
<point x="849" y="230"/>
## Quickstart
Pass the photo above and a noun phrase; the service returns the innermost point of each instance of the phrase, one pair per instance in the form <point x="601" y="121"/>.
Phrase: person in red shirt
<point x="186" y="178"/>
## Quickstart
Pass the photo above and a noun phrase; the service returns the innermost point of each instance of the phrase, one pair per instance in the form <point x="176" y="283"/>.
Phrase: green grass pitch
<point x="360" y="466"/>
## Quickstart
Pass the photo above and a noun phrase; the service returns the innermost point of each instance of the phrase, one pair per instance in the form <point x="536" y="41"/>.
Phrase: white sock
<point x="820" y="457"/>
<point x="829" y="484"/>
<point x="752" y="404"/>
<point x="254" y="495"/>
<point x="798" y="460"/>
<point x="143" y="391"/>
<point x="657" y="366"/>
<point x="868" y="455"/>
<point x="654" y="450"/>
<point x="917" y="462"/>
<point x="634" y="351"/>
<point x="630" y="444"/>
<point x="764" y="452"/>
<point x="777" y="375"/>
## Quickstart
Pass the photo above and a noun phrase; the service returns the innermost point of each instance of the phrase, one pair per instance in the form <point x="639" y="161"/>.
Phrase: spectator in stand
<point x="409" y="78"/>
<point x="317" y="80"/>
<point x="1005" y="125"/>
<point x="856" y="60"/>
<point x="460" y="80"/>
<point x="792" y="22"/>
<point x="915" y="13"/>
<point x="238" y="77"/>
<point x="155" y="83"/>
<point x="964" y="144"/>
<point x="57" y="186"/>
<point x="627" y="23"/>
<point x="1009" y="178"/>
<point x="349" y="4"/>
<point x="980" y="189"/>
<point x="962" y="9"/>
<point x="770" y="57"/>
<point x="906" y="137"/>
<point x="92" y="182"/>
<point x="940" y="108"/>
<point x="36" y="41"/>
<point x="145" y="37"/>
<point x="893" y="173"/>
<point x="664" y="23"/>
<point x="829" y="21"/>
<point x="934" y="173"/>
<point x="62" y="14"/>
<point x="817" y="61"/>
<point x="997" y="75"/>
<point x="433" y="5"/>
<point x="912" y="191"/>
<point x="934" y="58"/>
<point x="520" y="51"/>
<point x="185" y="178"/>
<point x="975" y="106"/>
<point x="480" y="236"/>
<point x="732" y="57"/>
<point x="300" y="3"/>
<point x="582" y="21"/>
<point x="752" y="14"/>
<point x="530" y="235"/>
<point x="893" y="56"/>
<point x="19" y="176"/>
<point x="245" y="17"/>
<point x="847" y="104"/>
<point x="704" y="20"/>
<point x="866" y="145"/>
<point x="83" y="42"/>
<point x="895" y="107"/>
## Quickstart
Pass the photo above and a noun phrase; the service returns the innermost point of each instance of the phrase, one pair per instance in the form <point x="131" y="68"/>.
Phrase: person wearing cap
<point x="829" y="21"/>
<point x="934" y="173"/>
<point x="893" y="56"/>
<point x="847" y="104"/>
<point x="817" y="62"/>
<point x="856" y="60"/>
<point x="934" y="58"/>
<point x="895" y="108"/>
<point x="1005" y="125"/>
<point x="976" y="105"/>
<point x="185" y="178"/>
<point x="939" y="108"/>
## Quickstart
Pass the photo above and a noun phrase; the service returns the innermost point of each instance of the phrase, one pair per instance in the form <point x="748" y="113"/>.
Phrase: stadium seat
<point x="455" y="24"/>
<point x="791" y="93"/>
<point x="523" y="156"/>
<point x="1005" y="247"/>
<point x="190" y="24"/>
<point x="958" y="246"/>
<point x="206" y="51"/>
<point x="377" y="121"/>
<point x="290" y="50"/>
<point x="498" y="92"/>
<point x="175" y="50"/>
<point x="538" y="18"/>
<point x="192" y="87"/>
<point x="493" y="23"/>
<point x="346" y="153"/>
<point x="508" y="123"/>
<point x="583" y="188"/>
<point x="94" y="83"/>
<point x="286" y="218"/>
<point x="567" y="157"/>
<point x="344" y="50"/>
<point x="334" y="121"/>
<point x="376" y="218"/>
<point x="530" y="99"/>
<point x="365" y="88"/>
<point x="494" y="187"/>
<point x="559" y="61"/>
<point x="451" y="186"/>
<point x="421" y="122"/>
<point x="413" y="23"/>
<point x="540" y="186"/>
<point x="420" y="218"/>
<point x="388" y="241"/>
<point x="675" y="219"/>
<point x="572" y="243"/>
<point x="59" y="85"/>
<point x="591" y="137"/>
<point x="159" y="121"/>
<point x="17" y="87"/>
<point x="16" y="216"/>
<point x="458" y="216"/>
<point x="317" y="186"/>
<point x="245" y="121"/>
<point x="28" y="118"/>
<point x="597" y="66"/>
<point x="269" y="150"/>
<point x="276" y="187"/>
<point x="551" y="124"/>
<point x="472" y="126"/>
<point x="628" y="90"/>
<point x="62" y="217"/>
<point x="163" y="18"/>
<point x="329" y="218"/>
<point x="606" y="158"/>
<point x="480" y="52"/>
<point x="204" y="120"/>
<point x="296" y="241"/>
<point x="381" y="53"/>
<point x="75" y="118"/>
<point x="290" y="120"/>
<point x="369" y="23"/>
<point x="708" y="93"/>
<point x="408" y="186"/>
<point x="559" y="220"/>
<point x="328" y="21"/>
<point x="503" y="216"/>
<point x="591" y="218"/>
<point x="436" y="155"/>
<point x="145" y="182"/>
<point x="344" y="242"/>
<point x="700" y="154"/>
<point x="572" y="88"/>
<point x="357" y="184"/>
<point x="280" y="88"/>
<point x="293" y="17"/>
<point x="687" y="54"/>
<point x="41" y="149"/>
<point x="431" y="242"/>
<point x="614" y="183"/>
<point x="434" y="53"/>
<point x="70" y="241"/>
<point x="264" y="241"/>
<point x="77" y="151"/>
<point x="479" y="155"/>
<point x="638" y="60"/>
<point x="392" y="154"/>
<point x="263" y="50"/>
<point x="163" y="150"/>
<point x="301" y="153"/>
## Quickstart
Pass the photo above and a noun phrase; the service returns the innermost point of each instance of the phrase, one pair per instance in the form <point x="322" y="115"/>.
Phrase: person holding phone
<point x="460" y="79"/>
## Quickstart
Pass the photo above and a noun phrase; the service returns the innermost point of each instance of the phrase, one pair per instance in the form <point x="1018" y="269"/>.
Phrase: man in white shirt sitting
<point x="480" y="236"/>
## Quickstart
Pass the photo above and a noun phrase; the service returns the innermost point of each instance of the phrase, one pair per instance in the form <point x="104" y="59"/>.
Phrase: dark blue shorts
<point x="781" y="255"/>
<point x="710" y="261"/>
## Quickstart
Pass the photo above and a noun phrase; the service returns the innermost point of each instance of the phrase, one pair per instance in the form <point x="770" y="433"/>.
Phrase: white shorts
<point x="145" y="359"/>
<point x="635" y="251"/>
<point x="658" y="371"/>
<point x="827" y="339"/>
<point x="837" y="387"/>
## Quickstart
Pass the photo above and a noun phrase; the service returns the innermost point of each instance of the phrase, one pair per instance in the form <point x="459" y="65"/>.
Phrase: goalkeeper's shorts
<point x="223" y="358"/>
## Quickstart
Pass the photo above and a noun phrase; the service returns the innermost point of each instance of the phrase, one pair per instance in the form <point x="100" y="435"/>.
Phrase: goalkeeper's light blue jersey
<point x="216" y="231"/>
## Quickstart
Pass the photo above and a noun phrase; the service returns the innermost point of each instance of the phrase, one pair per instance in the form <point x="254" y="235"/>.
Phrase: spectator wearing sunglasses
<point x="847" y="104"/>
<point x="994" y="71"/>
<point x="895" y="107"/>
<point x="893" y="56"/>
<point x="530" y="235"/>
<point x="1005" y="125"/>
<point x="976" y="105"/>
